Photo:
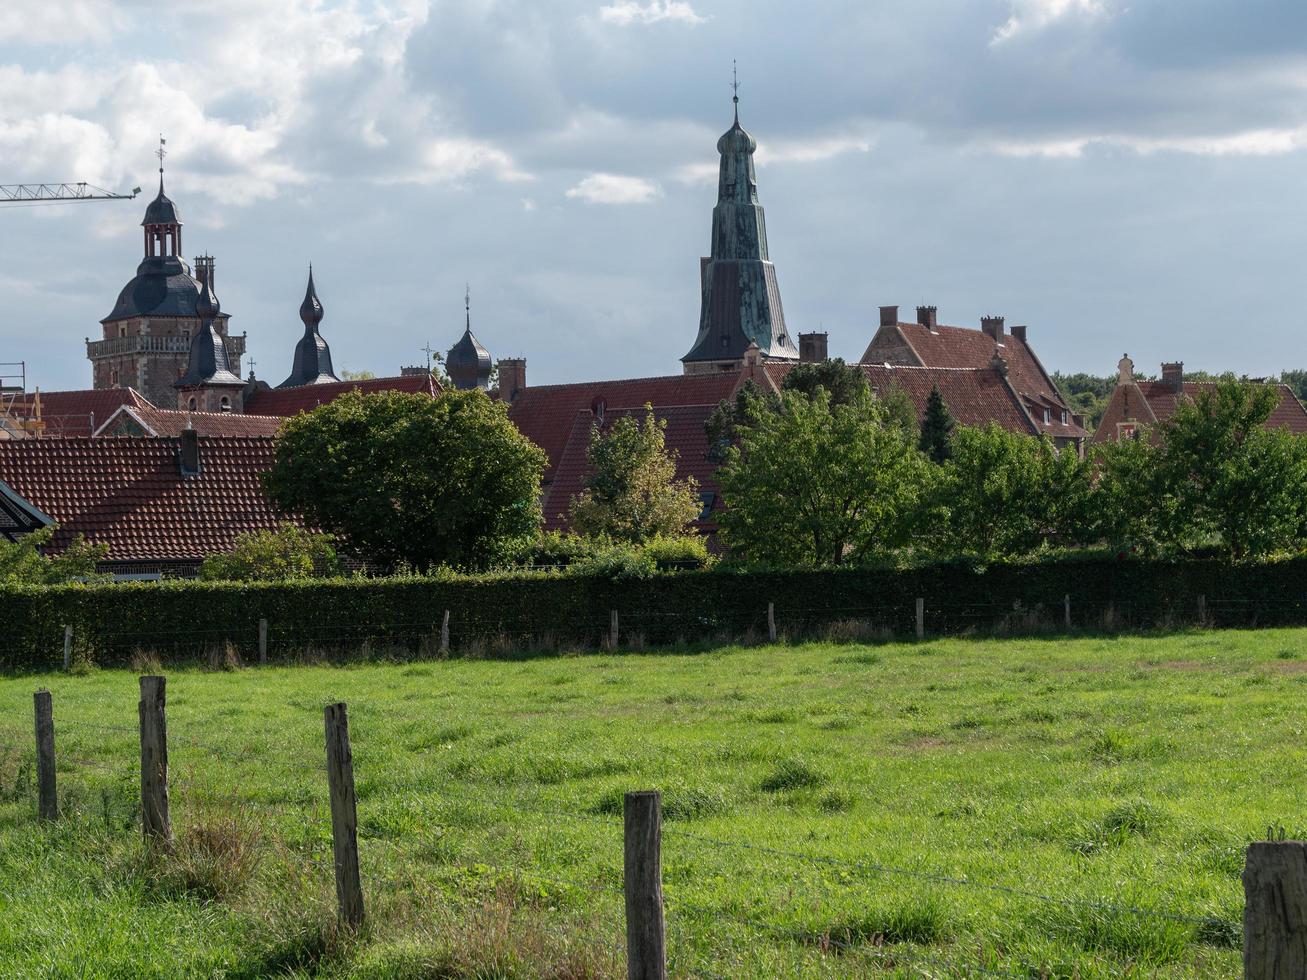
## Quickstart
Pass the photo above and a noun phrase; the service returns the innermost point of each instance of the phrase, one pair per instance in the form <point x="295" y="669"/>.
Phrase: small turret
<point x="468" y="364"/>
<point x="312" y="365"/>
<point x="209" y="384"/>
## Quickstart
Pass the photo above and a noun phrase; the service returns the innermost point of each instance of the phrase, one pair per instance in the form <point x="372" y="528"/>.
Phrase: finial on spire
<point x="467" y="305"/>
<point x="161" y="152"/>
<point x="735" y="89"/>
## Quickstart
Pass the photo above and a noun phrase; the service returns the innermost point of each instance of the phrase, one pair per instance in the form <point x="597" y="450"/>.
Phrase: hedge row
<point x="177" y="619"/>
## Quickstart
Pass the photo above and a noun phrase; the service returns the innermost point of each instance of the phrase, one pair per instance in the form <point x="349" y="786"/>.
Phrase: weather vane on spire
<point x="161" y="152"/>
<point x="735" y="89"/>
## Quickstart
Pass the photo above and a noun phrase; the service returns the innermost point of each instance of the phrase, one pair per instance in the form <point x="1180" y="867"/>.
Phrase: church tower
<point x="208" y="384"/>
<point x="741" y="302"/>
<point x="147" y="336"/>
<point x="312" y="365"/>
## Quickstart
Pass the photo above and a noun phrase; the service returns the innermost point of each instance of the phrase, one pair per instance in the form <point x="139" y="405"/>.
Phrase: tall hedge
<point x="179" y="619"/>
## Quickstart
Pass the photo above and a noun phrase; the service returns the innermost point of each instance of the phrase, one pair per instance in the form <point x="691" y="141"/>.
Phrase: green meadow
<point x="954" y="808"/>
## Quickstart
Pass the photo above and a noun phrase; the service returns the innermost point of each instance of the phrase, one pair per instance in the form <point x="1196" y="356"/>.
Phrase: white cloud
<point x="1035" y="15"/>
<point x="810" y="151"/>
<point x="696" y="174"/>
<point x="449" y="160"/>
<point x="627" y="12"/>
<point x="614" y="189"/>
<point x="59" y="21"/>
<point x="1252" y="143"/>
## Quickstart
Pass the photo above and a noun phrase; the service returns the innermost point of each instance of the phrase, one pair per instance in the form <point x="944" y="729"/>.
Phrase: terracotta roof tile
<point x="130" y="494"/>
<point x="291" y="401"/>
<point x="172" y="422"/>
<point x="1162" y="399"/>
<point x="76" y="413"/>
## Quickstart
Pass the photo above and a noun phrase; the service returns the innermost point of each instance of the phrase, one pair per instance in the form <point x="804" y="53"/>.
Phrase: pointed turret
<point x="468" y="364"/>
<point x="312" y="365"/>
<point x="209" y="384"/>
<point x="741" y="302"/>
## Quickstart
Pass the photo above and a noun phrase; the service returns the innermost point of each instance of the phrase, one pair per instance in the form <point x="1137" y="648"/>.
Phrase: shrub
<point x="285" y="554"/>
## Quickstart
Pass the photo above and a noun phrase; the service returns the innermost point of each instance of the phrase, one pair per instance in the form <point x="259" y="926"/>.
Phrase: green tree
<point x="936" y="428"/>
<point x="1087" y="394"/>
<point x="819" y="484"/>
<point x="1297" y="381"/>
<point x="843" y="383"/>
<point x="1007" y="494"/>
<point x="631" y="493"/>
<point x="287" y="553"/>
<point x="24" y="562"/>
<point x="404" y="478"/>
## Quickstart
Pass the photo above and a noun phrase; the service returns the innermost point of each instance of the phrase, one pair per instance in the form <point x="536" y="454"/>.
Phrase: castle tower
<point x="209" y="385"/>
<point x="147" y="336"/>
<point x="468" y="363"/>
<point x="312" y="365"/>
<point x="741" y="302"/>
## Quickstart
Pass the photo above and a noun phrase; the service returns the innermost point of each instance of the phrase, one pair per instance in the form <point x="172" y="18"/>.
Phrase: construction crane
<point x="37" y="194"/>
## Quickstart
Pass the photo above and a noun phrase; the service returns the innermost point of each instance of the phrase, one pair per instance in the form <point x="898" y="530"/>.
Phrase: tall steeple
<point x="209" y="384"/>
<point x="162" y="224"/>
<point x="312" y="364"/>
<point x="468" y="364"/>
<point x="741" y="303"/>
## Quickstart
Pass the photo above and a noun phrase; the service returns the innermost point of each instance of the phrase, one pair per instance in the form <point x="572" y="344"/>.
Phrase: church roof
<point x="130" y="493"/>
<point x="468" y="363"/>
<point x="162" y="286"/>
<point x="161" y="211"/>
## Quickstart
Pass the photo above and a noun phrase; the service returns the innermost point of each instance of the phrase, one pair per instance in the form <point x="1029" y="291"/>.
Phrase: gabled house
<point x="1006" y="353"/>
<point x="1139" y="404"/>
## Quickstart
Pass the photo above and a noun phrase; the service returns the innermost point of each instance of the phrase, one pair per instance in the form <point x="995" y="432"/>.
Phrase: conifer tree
<point x="936" y="429"/>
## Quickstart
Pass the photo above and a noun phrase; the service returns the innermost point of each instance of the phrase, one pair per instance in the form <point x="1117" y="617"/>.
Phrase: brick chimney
<point x="993" y="327"/>
<point x="1173" y="375"/>
<point x="189" y="455"/>
<point x="204" y="270"/>
<point x="812" y="348"/>
<point x="1019" y="333"/>
<point x="512" y="378"/>
<point x="927" y="317"/>
<point x="889" y="315"/>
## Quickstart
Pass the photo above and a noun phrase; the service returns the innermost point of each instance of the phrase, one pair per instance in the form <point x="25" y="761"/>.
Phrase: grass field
<point x="1056" y="780"/>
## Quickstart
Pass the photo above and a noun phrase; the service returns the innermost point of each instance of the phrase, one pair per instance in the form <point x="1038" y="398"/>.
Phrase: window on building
<point x="706" y="500"/>
<point x="1048" y="416"/>
<point x="191" y="404"/>
<point x="122" y="330"/>
<point x="1126" y="430"/>
<point x="224" y="405"/>
<point x="1064" y="418"/>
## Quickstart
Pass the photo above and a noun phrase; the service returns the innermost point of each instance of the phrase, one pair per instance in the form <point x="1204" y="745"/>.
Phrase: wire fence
<point x="404" y="857"/>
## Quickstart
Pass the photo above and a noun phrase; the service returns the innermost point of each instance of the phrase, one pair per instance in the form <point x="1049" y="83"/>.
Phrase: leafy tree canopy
<point x="631" y="493"/>
<point x="287" y="553"/>
<point x="23" y="562"/>
<point x="813" y="483"/>
<point x="403" y="478"/>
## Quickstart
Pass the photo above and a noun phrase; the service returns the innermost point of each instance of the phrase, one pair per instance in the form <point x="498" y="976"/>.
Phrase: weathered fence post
<point x="1066" y="610"/>
<point x="921" y="618"/>
<point x="263" y="641"/>
<point x="344" y="816"/>
<point x="771" y="622"/>
<point x="47" y="806"/>
<point x="646" y="954"/>
<point x="68" y="647"/>
<point x="156" y="823"/>
<point x="1202" y="610"/>
<point x="444" y="633"/>
<point x="613" y="635"/>
<point x="1275" y="911"/>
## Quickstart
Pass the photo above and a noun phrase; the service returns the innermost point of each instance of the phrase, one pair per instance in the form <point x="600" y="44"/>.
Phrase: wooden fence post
<point x="156" y="823"/>
<point x="263" y="641"/>
<point x="771" y="622"/>
<point x="613" y="635"/>
<point x="646" y="954"/>
<point x="68" y="647"/>
<point x="921" y="618"/>
<point x="1066" y="610"/>
<point x="344" y="816"/>
<point x="444" y="633"/>
<point x="1202" y="610"/>
<point x="1275" y="911"/>
<point x="47" y="806"/>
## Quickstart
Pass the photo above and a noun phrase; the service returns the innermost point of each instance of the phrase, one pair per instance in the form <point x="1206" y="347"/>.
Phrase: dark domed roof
<point x="161" y="210"/>
<point x="468" y="363"/>
<point x="208" y="364"/>
<point x="312" y="364"/>
<point x="163" y="286"/>
<point x="736" y="140"/>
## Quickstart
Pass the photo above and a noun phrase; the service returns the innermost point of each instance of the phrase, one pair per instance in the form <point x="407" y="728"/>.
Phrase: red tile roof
<point x="547" y="415"/>
<point x="133" y="420"/>
<point x="962" y="347"/>
<point x="130" y="494"/>
<point x="291" y="401"/>
<point x="686" y="435"/>
<point x="1162" y="399"/>
<point x="76" y="413"/>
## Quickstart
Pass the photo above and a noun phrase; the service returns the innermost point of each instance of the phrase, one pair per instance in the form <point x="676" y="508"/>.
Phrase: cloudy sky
<point x="1121" y="175"/>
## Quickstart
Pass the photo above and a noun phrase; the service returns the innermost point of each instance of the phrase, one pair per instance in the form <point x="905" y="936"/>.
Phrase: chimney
<point x="1173" y="375"/>
<point x="512" y="378"/>
<point x="204" y="270"/>
<point x="889" y="315"/>
<point x="414" y="371"/>
<point x="993" y="327"/>
<point x="190" y="452"/>
<point x="1019" y="333"/>
<point x="927" y="317"/>
<point x="812" y="348"/>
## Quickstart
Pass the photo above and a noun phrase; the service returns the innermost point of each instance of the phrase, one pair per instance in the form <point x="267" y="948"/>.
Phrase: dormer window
<point x="1064" y="418"/>
<point x="1048" y="416"/>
